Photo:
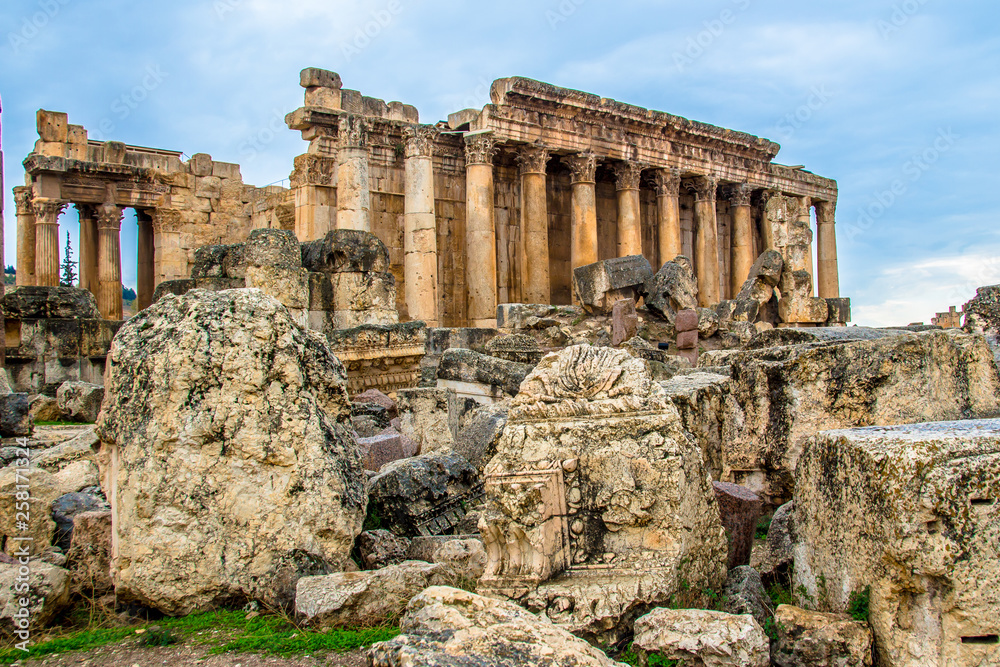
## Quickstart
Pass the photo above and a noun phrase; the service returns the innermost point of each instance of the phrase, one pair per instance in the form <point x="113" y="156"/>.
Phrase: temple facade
<point x="492" y="206"/>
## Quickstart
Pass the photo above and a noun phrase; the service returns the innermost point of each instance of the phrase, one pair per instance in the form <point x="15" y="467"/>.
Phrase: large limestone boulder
<point x="911" y="512"/>
<point x="598" y="505"/>
<point x="814" y="639"/>
<point x="599" y="285"/>
<point x="700" y="398"/>
<point x="362" y="599"/>
<point x="227" y="454"/>
<point x="703" y="637"/>
<point x="47" y="594"/>
<point x="448" y="627"/>
<point x="42" y="492"/>
<point x="35" y="303"/>
<point x="784" y="395"/>
<point x="89" y="555"/>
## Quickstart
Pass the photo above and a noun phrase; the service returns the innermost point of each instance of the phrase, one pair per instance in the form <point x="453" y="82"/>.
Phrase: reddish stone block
<point x="687" y="340"/>
<point x="739" y="509"/>
<point x="624" y="321"/>
<point x="686" y="320"/>
<point x="381" y="449"/>
<point x="378" y="398"/>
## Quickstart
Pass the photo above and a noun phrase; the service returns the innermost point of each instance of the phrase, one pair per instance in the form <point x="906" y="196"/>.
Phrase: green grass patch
<point x="222" y="631"/>
<point x="63" y="424"/>
<point x="630" y="657"/>
<point x="857" y="605"/>
<point x="762" y="527"/>
<point x="780" y="594"/>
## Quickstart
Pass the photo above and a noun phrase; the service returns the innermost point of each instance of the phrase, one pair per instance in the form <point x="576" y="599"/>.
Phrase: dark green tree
<point x="68" y="267"/>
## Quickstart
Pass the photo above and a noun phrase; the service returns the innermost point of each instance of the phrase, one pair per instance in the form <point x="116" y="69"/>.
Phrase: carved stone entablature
<point x="166" y="221"/>
<point x="628" y="175"/>
<point x="739" y="194"/>
<point x="667" y="182"/>
<point x="109" y="216"/>
<point x="583" y="167"/>
<point x="47" y="210"/>
<point x="594" y="480"/>
<point x="22" y="200"/>
<point x="480" y="148"/>
<point x="420" y="140"/>
<point x="704" y="188"/>
<point x="312" y="169"/>
<point x="353" y="131"/>
<point x="532" y="159"/>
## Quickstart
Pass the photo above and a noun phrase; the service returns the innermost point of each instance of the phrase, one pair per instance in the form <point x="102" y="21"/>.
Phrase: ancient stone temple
<point x="492" y="206"/>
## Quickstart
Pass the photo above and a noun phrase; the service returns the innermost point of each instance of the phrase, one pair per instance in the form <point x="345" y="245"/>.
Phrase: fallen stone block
<point x="40" y="526"/>
<point x="592" y="462"/>
<point x="451" y="627"/>
<point x="686" y="320"/>
<point x="15" y="415"/>
<point x="520" y="348"/>
<point x="362" y="599"/>
<point x="810" y="638"/>
<point x="209" y="508"/>
<point x="80" y="401"/>
<point x="744" y="594"/>
<point x="599" y="285"/>
<point x="374" y="396"/>
<point x="65" y="508"/>
<point x="703" y="637"/>
<point x="478" y="439"/>
<point x="380" y="548"/>
<point x="425" y="417"/>
<point x="982" y="313"/>
<point x="381" y="449"/>
<point x="423" y="547"/>
<point x="480" y="376"/>
<point x="700" y="399"/>
<point x="740" y="509"/>
<point x="624" y="321"/>
<point x="424" y="495"/>
<point x="464" y="561"/>
<point x="44" y="409"/>
<point x="908" y="515"/>
<point x="89" y="555"/>
<point x="776" y="555"/>
<point x="47" y="595"/>
<point x="672" y="289"/>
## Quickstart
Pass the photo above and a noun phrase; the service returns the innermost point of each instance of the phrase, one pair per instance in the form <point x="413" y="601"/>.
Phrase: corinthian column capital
<point x="109" y="216"/>
<point x="739" y="194"/>
<point x="22" y="200"/>
<point x="420" y="140"/>
<point x="627" y="175"/>
<point x="353" y="132"/>
<point x="480" y="148"/>
<point x="704" y="188"/>
<point x="47" y="210"/>
<point x="825" y="212"/>
<point x="667" y="182"/>
<point x="532" y="159"/>
<point x="583" y="167"/>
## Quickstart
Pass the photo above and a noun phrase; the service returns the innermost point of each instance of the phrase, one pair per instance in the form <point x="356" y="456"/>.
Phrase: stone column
<point x="420" y="227"/>
<point x="47" y="241"/>
<point x="145" y="260"/>
<point x="627" y="176"/>
<point x="25" y="236"/>
<point x="109" y="261"/>
<point x="313" y="180"/>
<point x="741" y="255"/>
<point x="88" y="247"/>
<point x="706" y="244"/>
<point x="826" y="246"/>
<point x="480" y="230"/>
<point x="668" y="214"/>
<point x="353" y="193"/>
<point x="805" y="218"/>
<point x="169" y="258"/>
<point x="535" y="287"/>
<point x="583" y="222"/>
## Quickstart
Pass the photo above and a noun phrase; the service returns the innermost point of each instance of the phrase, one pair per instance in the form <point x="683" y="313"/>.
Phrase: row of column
<point x="480" y="235"/>
<point x="99" y="252"/>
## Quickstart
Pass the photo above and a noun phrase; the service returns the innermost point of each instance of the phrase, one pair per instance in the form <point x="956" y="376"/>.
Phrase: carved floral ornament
<point x="739" y="194"/>
<point x="667" y="182"/>
<point x="627" y="175"/>
<point x="47" y="210"/>
<point x="704" y="187"/>
<point x="109" y="216"/>
<point x="480" y="148"/>
<point x="582" y="166"/>
<point x="533" y="159"/>
<point x="420" y="140"/>
<point x="166" y="221"/>
<point x="22" y="200"/>
<point x="353" y="132"/>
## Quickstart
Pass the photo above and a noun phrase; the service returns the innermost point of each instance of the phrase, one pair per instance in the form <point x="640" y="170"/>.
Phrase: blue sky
<point x="897" y="100"/>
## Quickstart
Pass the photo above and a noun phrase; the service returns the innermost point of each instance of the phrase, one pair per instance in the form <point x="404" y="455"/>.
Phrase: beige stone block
<point x="50" y="148"/>
<point x="314" y="77"/>
<point x="374" y="107"/>
<point x="77" y="134"/>
<point x="325" y="98"/>
<point x="351" y="101"/>
<point x="114" y="152"/>
<point x="209" y="187"/>
<point x="227" y="170"/>
<point x="52" y="125"/>
<point x="807" y="310"/>
<point x="200" y="164"/>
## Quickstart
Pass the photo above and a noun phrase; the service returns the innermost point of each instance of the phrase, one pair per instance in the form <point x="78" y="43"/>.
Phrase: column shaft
<point x="47" y="241"/>
<point x="741" y="255"/>
<point x="353" y="192"/>
<point x="169" y="258"/>
<point x="668" y="214"/>
<point x="706" y="251"/>
<point x="109" y="266"/>
<point x="145" y="260"/>
<point x="88" y="248"/>
<point x="420" y="228"/>
<point x="805" y="218"/>
<point x="535" y="285"/>
<point x="25" y="236"/>
<point x="826" y="246"/>
<point x="480" y="231"/>
<point x="583" y="219"/>
<point x="627" y="175"/>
